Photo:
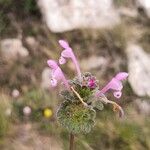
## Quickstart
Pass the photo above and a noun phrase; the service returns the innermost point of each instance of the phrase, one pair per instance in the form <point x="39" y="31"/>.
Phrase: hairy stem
<point x="116" y="107"/>
<point x="77" y="94"/>
<point x="71" y="146"/>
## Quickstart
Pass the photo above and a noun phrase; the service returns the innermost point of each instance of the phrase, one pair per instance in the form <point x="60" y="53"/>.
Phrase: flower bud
<point x="27" y="110"/>
<point x="15" y="93"/>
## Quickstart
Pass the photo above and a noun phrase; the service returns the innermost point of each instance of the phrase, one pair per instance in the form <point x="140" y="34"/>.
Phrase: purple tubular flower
<point x="92" y="83"/>
<point x="115" y="84"/>
<point x="68" y="53"/>
<point x="57" y="74"/>
<point x="63" y="43"/>
<point x="62" y="60"/>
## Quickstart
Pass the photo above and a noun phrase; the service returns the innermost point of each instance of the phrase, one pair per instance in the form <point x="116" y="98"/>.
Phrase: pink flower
<point x="57" y="74"/>
<point x="15" y="93"/>
<point x="68" y="53"/>
<point x="92" y="83"/>
<point x="62" y="60"/>
<point x="27" y="110"/>
<point x="115" y="84"/>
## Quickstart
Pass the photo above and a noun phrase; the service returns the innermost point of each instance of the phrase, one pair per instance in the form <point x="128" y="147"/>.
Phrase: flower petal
<point x="117" y="94"/>
<point x="63" y="43"/>
<point x="52" y="64"/>
<point x="57" y="74"/>
<point x="67" y="53"/>
<point x="121" y="76"/>
<point x="115" y="85"/>
<point x="53" y="82"/>
<point x="92" y="83"/>
<point x="62" y="60"/>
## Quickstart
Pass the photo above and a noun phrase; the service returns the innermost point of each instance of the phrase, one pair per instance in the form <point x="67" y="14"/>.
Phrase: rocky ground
<point x="26" y="138"/>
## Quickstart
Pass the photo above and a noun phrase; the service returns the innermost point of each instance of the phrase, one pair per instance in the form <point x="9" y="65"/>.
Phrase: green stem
<point x="71" y="146"/>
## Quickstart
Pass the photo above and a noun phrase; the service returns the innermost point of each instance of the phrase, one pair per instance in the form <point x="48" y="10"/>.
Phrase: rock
<point x="12" y="49"/>
<point x="143" y="106"/>
<point x="32" y="43"/>
<point x="45" y="84"/>
<point x="93" y="62"/>
<point x="139" y="70"/>
<point x="64" y="15"/>
<point x="25" y="137"/>
<point x="128" y="12"/>
<point x="145" y="4"/>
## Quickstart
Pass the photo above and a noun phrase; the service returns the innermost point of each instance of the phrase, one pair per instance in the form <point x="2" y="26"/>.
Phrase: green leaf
<point x="75" y="117"/>
<point x="66" y="95"/>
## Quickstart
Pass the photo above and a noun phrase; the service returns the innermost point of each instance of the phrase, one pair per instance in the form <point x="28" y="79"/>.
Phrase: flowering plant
<point x="82" y="95"/>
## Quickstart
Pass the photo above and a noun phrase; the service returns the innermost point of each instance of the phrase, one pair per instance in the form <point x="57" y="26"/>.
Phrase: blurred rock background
<point x="107" y="36"/>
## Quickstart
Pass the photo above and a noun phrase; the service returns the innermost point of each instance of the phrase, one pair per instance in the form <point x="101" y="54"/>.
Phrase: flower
<point x="92" y="83"/>
<point x="57" y="74"/>
<point x="115" y="84"/>
<point x="68" y="53"/>
<point x="15" y="93"/>
<point x="47" y="113"/>
<point x="27" y="110"/>
<point x="62" y="60"/>
<point x="83" y="89"/>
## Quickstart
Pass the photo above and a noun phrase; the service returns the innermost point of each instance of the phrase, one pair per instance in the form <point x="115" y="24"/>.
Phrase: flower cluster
<point x="82" y="94"/>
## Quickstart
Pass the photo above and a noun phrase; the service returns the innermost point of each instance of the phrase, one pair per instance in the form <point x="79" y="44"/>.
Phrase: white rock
<point x="64" y="15"/>
<point x="32" y="42"/>
<point x="139" y="70"/>
<point x="93" y="62"/>
<point x="144" y="4"/>
<point x="12" y="48"/>
<point x="143" y="106"/>
<point x="45" y="84"/>
<point x="129" y="12"/>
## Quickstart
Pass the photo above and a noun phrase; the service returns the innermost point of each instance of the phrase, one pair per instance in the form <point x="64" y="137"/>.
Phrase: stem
<point x="116" y="107"/>
<point x="71" y="146"/>
<point x="77" y="94"/>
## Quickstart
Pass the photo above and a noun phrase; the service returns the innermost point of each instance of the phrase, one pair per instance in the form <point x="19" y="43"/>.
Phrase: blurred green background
<point x="22" y="81"/>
